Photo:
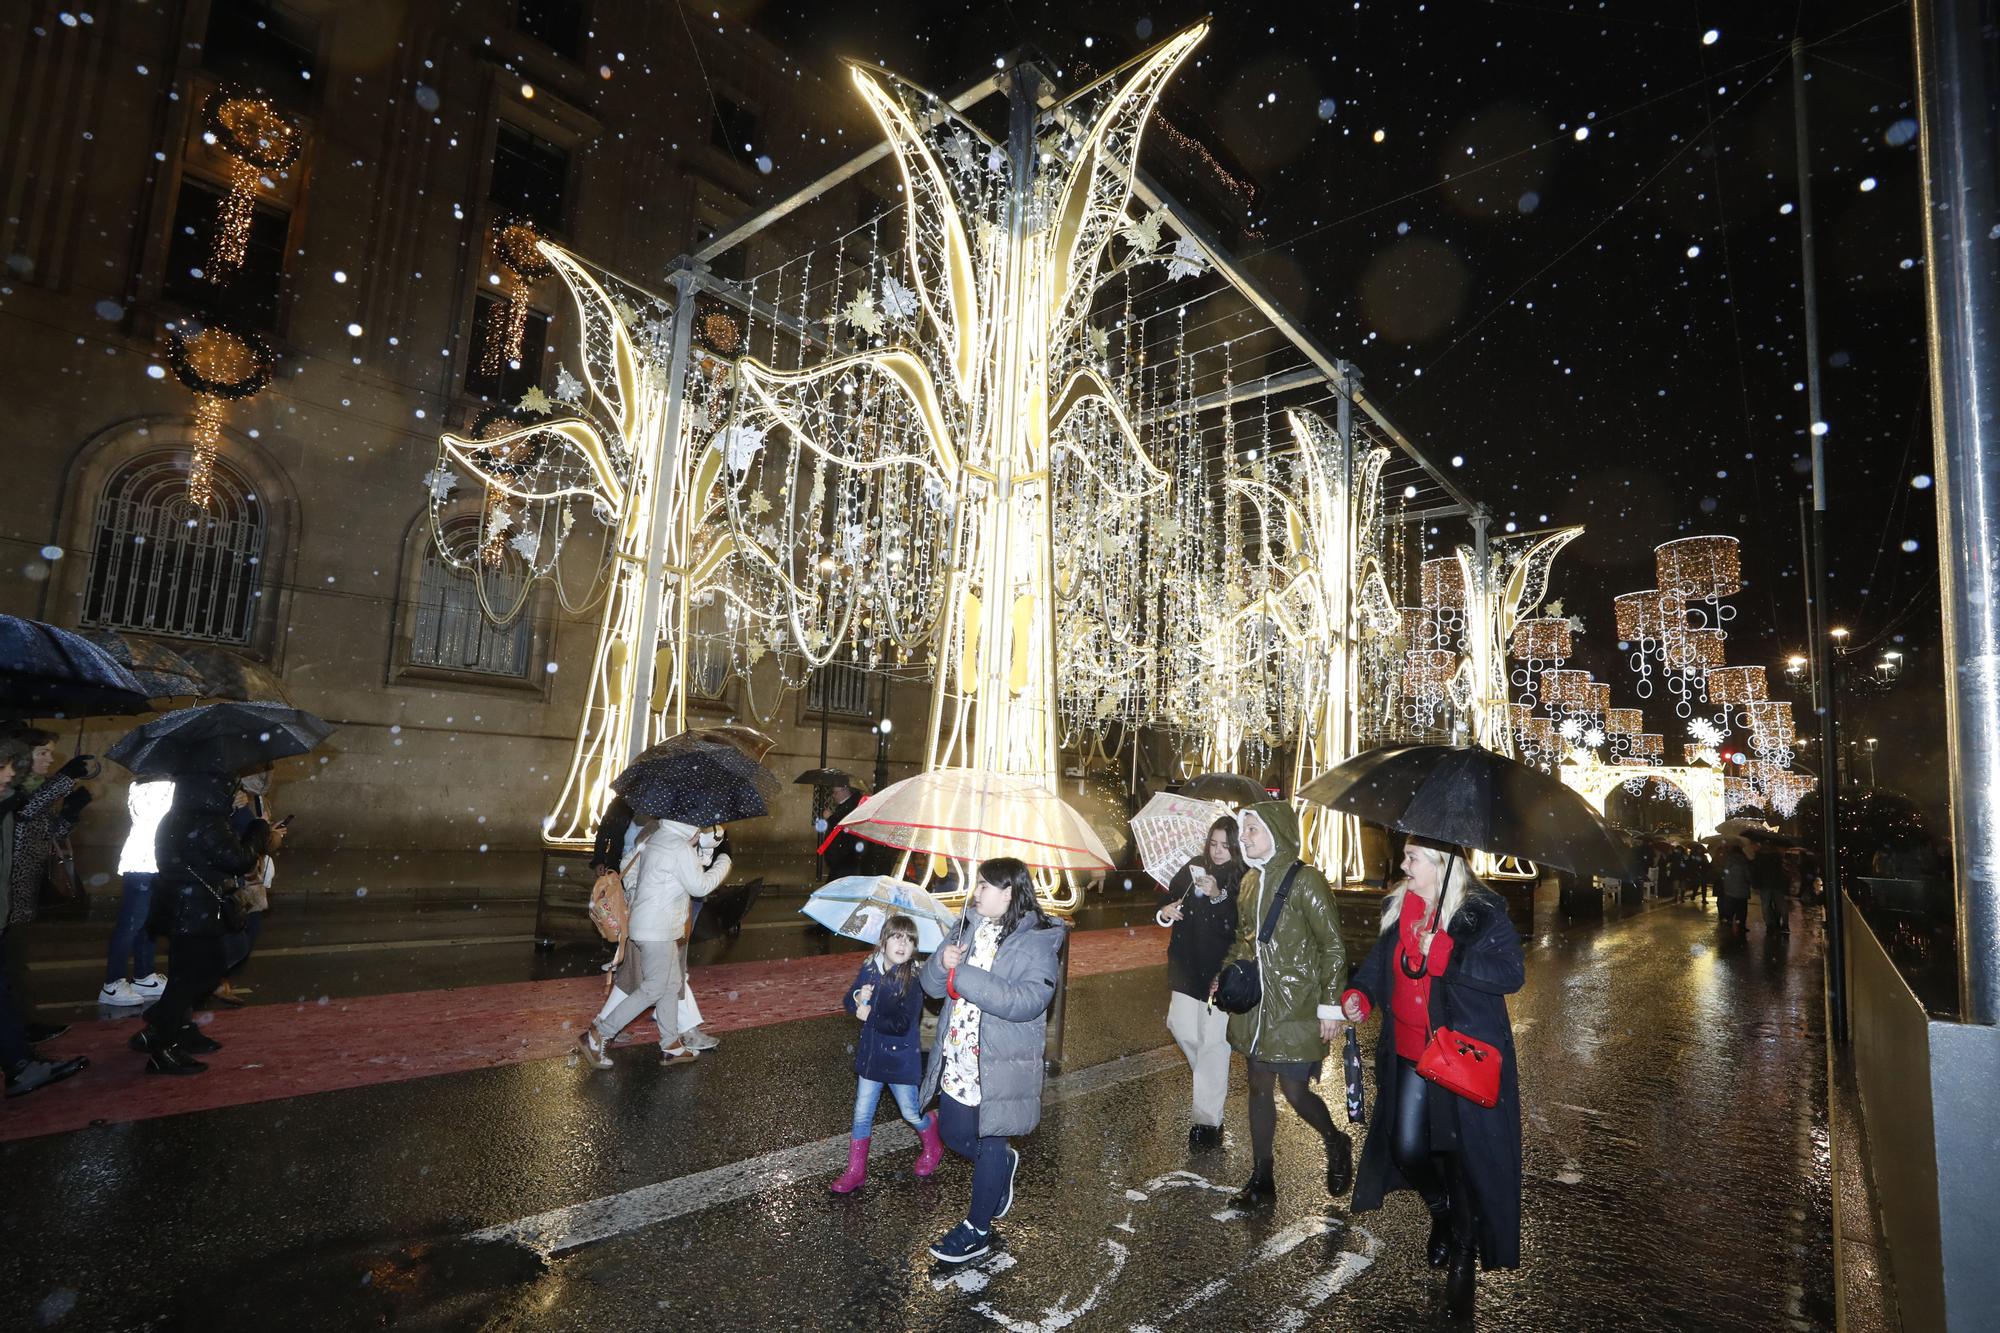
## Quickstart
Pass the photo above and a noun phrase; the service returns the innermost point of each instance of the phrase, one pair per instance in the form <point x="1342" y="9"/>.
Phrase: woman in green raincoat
<point x="1303" y="969"/>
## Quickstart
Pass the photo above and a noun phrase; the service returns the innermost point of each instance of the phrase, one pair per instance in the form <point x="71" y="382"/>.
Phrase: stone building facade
<point x="625" y="132"/>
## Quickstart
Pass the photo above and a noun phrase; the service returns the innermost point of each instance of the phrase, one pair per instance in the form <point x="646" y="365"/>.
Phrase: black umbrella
<point x="218" y="738"/>
<point x="824" y="777"/>
<point x="697" y="782"/>
<point x="1473" y="798"/>
<point x="46" y="671"/>
<point x="161" y="672"/>
<point x="1233" y="788"/>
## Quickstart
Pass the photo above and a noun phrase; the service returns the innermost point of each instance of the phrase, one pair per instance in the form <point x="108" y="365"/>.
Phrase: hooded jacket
<point x="198" y="854"/>
<point x="1304" y="967"/>
<point x="661" y="875"/>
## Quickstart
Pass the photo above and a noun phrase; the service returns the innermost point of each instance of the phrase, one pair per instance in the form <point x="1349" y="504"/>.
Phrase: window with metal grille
<point x="530" y="175"/>
<point x="162" y="566"/>
<point x="839" y="688"/>
<point x="251" y="294"/>
<point x="515" y="377"/>
<point x="449" y="629"/>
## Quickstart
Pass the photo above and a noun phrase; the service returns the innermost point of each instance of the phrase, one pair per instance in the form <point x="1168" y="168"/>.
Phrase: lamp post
<point x="882" y="730"/>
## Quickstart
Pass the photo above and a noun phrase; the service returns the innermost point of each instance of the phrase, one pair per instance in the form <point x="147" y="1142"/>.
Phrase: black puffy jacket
<point x="199" y="855"/>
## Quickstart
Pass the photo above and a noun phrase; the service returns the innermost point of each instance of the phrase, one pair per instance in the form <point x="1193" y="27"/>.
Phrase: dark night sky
<point x="1607" y="330"/>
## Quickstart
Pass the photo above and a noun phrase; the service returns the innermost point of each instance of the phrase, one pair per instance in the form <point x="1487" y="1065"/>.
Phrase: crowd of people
<point x="196" y="866"/>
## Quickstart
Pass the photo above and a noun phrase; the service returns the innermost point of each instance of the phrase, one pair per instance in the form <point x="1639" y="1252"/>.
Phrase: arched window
<point x="448" y="629"/>
<point x="162" y="566"/>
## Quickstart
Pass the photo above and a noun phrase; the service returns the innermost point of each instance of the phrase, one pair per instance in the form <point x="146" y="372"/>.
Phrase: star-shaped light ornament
<point x="1188" y="260"/>
<point x="759" y="503"/>
<point x="534" y="400"/>
<point x="440" y="481"/>
<point x="1100" y="342"/>
<point x="898" y="302"/>
<point x="863" y="315"/>
<point x="500" y="520"/>
<point x="959" y="149"/>
<point x="626" y="314"/>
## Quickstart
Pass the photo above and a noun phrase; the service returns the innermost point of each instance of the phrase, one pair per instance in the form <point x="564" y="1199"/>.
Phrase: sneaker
<point x="1013" y="1169"/>
<point x="678" y="1055"/>
<point x="150" y="986"/>
<point x="962" y="1244"/>
<point x="120" y="994"/>
<point x="592" y="1050"/>
<point x="25" y="1077"/>
<point x="697" y="1039"/>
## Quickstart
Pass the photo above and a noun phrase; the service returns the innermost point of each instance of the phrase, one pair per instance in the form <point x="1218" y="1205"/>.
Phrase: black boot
<point x="191" y="1038"/>
<point x="173" y="1060"/>
<point x="1339" y="1164"/>
<point x="1257" y="1193"/>
<point x="1458" y="1284"/>
<point x="1202" y="1138"/>
<point x="1438" y="1248"/>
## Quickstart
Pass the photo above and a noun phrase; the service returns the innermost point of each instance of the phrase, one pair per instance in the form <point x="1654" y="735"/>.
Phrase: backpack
<point x="608" y="911"/>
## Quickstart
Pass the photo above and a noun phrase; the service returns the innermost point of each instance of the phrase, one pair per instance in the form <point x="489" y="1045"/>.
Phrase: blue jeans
<point x="130" y="940"/>
<point x="868" y="1095"/>
<point x="992" y="1166"/>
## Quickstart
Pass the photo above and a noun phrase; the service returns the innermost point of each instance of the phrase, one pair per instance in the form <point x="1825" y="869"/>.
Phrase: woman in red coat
<point x="1447" y="957"/>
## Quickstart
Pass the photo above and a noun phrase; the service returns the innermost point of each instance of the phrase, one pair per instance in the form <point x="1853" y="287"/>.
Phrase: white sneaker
<point x="150" y="986"/>
<point x="121" y="994"/>
<point x="697" y="1039"/>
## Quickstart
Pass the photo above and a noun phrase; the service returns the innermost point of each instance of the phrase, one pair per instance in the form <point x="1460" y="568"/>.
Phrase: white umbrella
<point x="972" y="815"/>
<point x="856" y="906"/>
<point x="1170" y="832"/>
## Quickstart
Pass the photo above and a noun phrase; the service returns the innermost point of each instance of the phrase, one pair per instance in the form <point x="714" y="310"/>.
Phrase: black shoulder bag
<point x="1240" y="988"/>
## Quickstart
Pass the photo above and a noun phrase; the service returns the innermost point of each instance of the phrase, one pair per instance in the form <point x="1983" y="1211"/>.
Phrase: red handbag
<point x="1461" y="1064"/>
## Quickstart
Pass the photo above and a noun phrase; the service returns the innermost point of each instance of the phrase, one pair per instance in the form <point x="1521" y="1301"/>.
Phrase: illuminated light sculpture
<point x="1623" y="721"/>
<point x="516" y="247"/>
<point x="259" y="142"/>
<point x="1541" y="640"/>
<point x="1008" y="407"/>
<point x="1650" y="746"/>
<point x="219" y="363"/>
<point x="1738" y="685"/>
<point x="1641" y="622"/>
<point x="1701" y="786"/>
<point x="1540" y="745"/>
<point x="1565" y="690"/>
<point x="1784" y="790"/>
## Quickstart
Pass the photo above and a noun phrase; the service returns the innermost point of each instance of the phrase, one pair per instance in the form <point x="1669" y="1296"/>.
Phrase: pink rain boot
<point x="933" y="1149"/>
<point x="857" y="1168"/>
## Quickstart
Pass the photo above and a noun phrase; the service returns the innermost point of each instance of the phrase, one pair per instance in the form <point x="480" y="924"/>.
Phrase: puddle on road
<point x="444" y="1283"/>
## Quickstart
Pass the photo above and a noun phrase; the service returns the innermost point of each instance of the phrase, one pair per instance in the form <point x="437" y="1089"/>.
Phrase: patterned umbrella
<point x="695" y="781"/>
<point x="46" y="671"/>
<point x="971" y="815"/>
<point x="161" y="672"/>
<point x="856" y="906"/>
<point x="218" y="738"/>
<point x="1170" y="832"/>
<point x="233" y="676"/>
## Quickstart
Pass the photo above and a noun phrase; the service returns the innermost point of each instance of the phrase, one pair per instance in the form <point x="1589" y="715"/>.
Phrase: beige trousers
<point x="1202" y="1032"/>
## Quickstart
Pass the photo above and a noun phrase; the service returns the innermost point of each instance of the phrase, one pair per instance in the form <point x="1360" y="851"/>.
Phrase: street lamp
<point x="1795" y="666"/>
<point x="882" y="730"/>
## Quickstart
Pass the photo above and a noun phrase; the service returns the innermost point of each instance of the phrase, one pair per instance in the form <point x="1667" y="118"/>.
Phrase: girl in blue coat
<point x="890" y="1004"/>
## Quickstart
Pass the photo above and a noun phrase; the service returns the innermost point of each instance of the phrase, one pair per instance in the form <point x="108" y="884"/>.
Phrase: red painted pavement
<point x="275" y="1051"/>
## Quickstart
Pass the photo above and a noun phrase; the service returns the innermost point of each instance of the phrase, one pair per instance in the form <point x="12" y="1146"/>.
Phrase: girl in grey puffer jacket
<point x="997" y="976"/>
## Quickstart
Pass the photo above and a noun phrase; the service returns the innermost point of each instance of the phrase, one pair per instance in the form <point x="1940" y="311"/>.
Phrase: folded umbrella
<point x="218" y="738"/>
<point x="1170" y="831"/>
<point x="1350" y="1063"/>
<point x="46" y="671"/>
<point x="856" y="906"/>
<point x="972" y="815"/>
<point x="697" y="782"/>
<point x="1472" y="797"/>
<point x="1229" y="788"/>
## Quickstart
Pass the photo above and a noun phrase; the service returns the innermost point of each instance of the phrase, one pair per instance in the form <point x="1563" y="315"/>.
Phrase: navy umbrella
<point x="1473" y="798"/>
<point x="697" y="781"/>
<point x="218" y="738"/>
<point x="46" y="671"/>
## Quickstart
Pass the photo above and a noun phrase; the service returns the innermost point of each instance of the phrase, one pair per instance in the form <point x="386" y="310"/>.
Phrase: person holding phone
<point x="1201" y="911"/>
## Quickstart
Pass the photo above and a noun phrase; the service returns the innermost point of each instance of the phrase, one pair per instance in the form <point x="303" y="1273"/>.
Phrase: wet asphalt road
<point x="1675" y="1150"/>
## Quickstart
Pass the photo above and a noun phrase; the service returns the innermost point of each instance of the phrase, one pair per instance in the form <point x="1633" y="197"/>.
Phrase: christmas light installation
<point x="219" y="363"/>
<point x="259" y="143"/>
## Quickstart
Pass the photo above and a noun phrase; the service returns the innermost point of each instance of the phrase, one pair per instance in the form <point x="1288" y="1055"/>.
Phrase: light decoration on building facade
<point x="259" y="143"/>
<point x="516" y="243"/>
<point x="218" y="363"/>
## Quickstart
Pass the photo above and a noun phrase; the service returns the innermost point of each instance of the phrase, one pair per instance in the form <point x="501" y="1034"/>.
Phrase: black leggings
<point x="1438" y="1176"/>
<point x="1264" y="1083"/>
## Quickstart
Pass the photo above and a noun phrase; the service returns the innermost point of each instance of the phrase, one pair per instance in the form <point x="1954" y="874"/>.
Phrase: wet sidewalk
<point x="1674" y="1144"/>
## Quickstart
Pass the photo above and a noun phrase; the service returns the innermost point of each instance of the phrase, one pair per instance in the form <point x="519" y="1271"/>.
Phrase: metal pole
<point x="1955" y="50"/>
<point x="1829" y="786"/>
<point x="666" y="481"/>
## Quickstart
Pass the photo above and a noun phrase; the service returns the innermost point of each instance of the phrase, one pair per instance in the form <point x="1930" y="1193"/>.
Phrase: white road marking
<point x="593" y="1220"/>
<point x="1061" y="1316"/>
<point x="1323" y="1286"/>
<point x="974" y="1277"/>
